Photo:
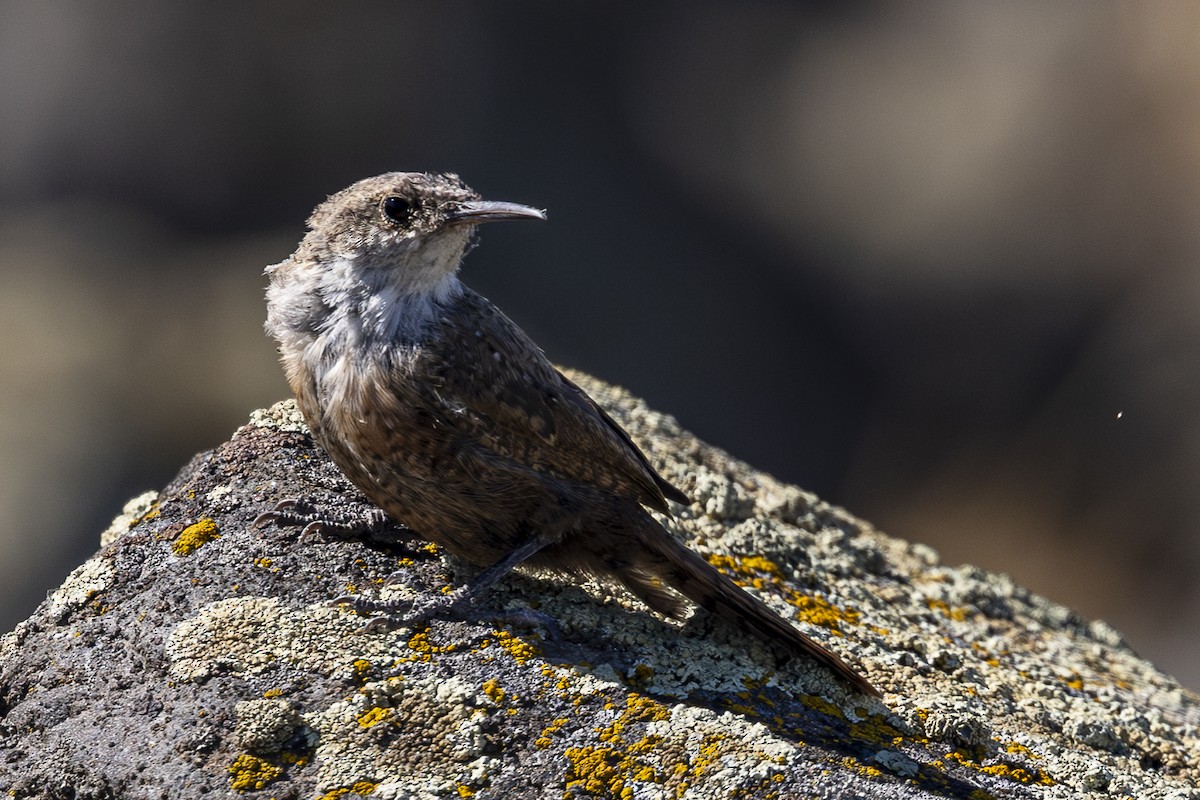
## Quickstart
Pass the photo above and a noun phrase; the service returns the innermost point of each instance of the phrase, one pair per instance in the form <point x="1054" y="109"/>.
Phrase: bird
<point x="446" y="415"/>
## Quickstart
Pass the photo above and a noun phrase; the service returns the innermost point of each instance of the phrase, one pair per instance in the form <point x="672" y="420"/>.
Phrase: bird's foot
<point x="344" y="524"/>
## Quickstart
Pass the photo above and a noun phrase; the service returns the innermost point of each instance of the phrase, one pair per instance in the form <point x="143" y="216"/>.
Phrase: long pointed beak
<point x="477" y="211"/>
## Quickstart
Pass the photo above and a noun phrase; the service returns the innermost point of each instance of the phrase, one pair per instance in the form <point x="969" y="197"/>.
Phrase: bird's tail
<point x="671" y="563"/>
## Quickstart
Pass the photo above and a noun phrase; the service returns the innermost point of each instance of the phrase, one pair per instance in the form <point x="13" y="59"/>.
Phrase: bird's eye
<point x="397" y="209"/>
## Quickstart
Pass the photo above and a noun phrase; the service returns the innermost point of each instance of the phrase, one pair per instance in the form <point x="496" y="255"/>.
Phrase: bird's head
<point x="379" y="255"/>
<point x="414" y="225"/>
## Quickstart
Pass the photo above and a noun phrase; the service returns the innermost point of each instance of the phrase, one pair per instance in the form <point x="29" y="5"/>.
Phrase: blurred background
<point x="938" y="262"/>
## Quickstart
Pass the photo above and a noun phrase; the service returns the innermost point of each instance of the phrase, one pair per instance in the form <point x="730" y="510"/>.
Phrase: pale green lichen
<point x="140" y="508"/>
<point x="443" y="752"/>
<point x="265" y="724"/>
<point x="248" y="634"/>
<point x="83" y="584"/>
<point x="283" y="416"/>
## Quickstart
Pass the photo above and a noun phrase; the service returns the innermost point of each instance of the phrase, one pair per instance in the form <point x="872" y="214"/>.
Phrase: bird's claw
<point x="296" y="511"/>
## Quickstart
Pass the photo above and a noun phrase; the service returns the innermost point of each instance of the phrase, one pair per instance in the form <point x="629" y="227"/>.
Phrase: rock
<point x="196" y="655"/>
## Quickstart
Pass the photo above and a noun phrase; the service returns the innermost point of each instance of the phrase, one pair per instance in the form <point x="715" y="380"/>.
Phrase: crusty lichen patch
<point x="643" y="748"/>
<point x="248" y="634"/>
<point x="413" y="737"/>
<point x="136" y="510"/>
<point x="87" y="580"/>
<point x="283" y="416"/>
<point x="760" y="573"/>
<point x="265" y="724"/>
<point x="360" y="789"/>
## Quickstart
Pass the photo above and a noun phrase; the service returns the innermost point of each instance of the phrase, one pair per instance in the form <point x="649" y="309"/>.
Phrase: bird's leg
<point x="409" y="614"/>
<point x="485" y="580"/>
<point x="343" y="524"/>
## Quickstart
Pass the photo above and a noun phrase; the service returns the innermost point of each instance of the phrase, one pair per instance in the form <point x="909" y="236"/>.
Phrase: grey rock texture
<point x="196" y="655"/>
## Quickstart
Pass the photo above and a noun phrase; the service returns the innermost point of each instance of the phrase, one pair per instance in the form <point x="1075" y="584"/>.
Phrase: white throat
<point x="384" y="306"/>
<point x="395" y="314"/>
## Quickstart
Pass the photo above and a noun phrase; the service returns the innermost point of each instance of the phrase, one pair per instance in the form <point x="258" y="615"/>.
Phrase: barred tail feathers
<point x="692" y="576"/>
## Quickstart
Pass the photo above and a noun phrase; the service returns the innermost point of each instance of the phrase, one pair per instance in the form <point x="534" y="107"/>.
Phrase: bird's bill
<point x="475" y="212"/>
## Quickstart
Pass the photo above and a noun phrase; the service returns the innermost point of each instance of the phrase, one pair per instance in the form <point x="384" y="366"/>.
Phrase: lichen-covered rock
<point x="196" y="655"/>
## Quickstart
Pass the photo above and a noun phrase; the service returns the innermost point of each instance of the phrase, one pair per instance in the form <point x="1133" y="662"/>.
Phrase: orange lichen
<point x="543" y="741"/>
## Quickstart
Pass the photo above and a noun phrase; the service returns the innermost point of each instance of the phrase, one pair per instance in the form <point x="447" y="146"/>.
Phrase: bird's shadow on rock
<point x="868" y="737"/>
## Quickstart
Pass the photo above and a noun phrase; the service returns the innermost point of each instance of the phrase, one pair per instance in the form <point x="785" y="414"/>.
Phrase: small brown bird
<point x="445" y="414"/>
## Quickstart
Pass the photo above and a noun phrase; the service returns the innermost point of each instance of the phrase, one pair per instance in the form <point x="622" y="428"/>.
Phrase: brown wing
<point x="669" y="491"/>
<point x="495" y="386"/>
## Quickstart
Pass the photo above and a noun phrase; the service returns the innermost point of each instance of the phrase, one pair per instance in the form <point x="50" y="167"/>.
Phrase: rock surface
<point x="196" y="655"/>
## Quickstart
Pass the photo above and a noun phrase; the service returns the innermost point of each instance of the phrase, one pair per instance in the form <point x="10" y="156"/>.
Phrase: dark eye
<point x="397" y="209"/>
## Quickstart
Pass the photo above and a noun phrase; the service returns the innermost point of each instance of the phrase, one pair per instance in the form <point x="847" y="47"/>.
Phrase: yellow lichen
<point x="608" y="770"/>
<point x="362" y="789"/>
<point x="374" y="716"/>
<point x="850" y="763"/>
<point x="543" y="741"/>
<point x="817" y="611"/>
<point x="643" y="709"/>
<point x="761" y="573"/>
<point x="423" y="649"/>
<point x="149" y="515"/>
<point x="193" y="537"/>
<point x="957" y="613"/>
<point x="251" y="772"/>
<point x="519" y="649"/>
<point x="601" y="771"/>
<point x="822" y="705"/>
<point x="492" y="689"/>
<point x="272" y="693"/>
<point x="642" y="675"/>
<point x="1010" y="772"/>
<point x="1020" y="749"/>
